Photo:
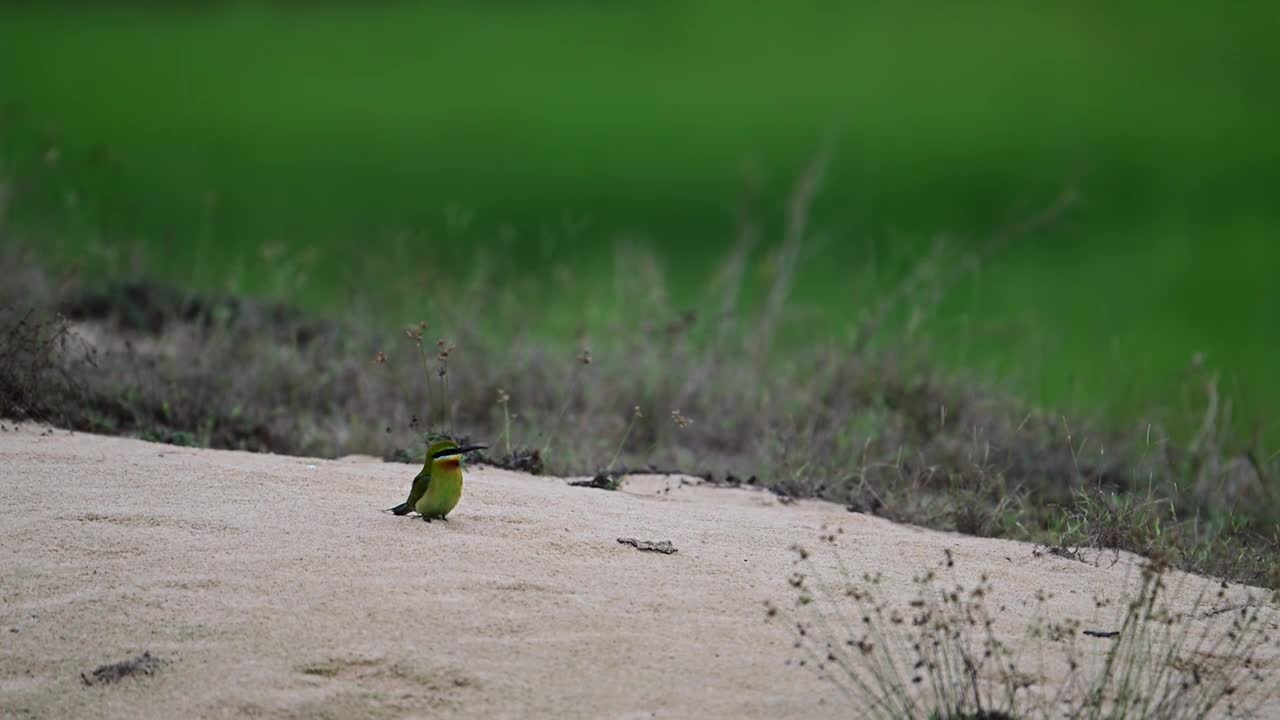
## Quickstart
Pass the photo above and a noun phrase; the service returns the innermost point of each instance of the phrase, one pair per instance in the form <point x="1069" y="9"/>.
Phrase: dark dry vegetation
<point x="865" y="422"/>
<point x="940" y="656"/>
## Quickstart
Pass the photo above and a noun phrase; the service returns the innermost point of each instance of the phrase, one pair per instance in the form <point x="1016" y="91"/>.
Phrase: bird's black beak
<point x="459" y="451"/>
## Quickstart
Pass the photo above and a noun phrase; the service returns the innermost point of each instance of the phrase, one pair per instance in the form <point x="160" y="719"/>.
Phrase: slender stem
<point x="444" y="398"/>
<point x="448" y="406"/>
<point x="506" y="422"/>
<point x="622" y="442"/>
<point x="564" y="408"/>
<point x="426" y="373"/>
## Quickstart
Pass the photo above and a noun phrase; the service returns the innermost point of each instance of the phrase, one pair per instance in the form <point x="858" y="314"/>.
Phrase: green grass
<point x="190" y="139"/>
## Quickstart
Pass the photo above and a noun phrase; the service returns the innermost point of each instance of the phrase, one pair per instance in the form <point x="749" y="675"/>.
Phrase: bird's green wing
<point x="416" y="491"/>
<point x="420" y="484"/>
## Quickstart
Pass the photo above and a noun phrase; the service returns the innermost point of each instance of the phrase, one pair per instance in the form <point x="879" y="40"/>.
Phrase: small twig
<point x="662" y="546"/>
<point x="144" y="664"/>
<point x="1228" y="608"/>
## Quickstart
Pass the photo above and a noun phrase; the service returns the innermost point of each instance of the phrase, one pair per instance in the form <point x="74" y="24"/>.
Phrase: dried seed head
<point x="503" y="397"/>
<point x="380" y="358"/>
<point x="680" y="420"/>
<point x="444" y="348"/>
<point x="584" y="356"/>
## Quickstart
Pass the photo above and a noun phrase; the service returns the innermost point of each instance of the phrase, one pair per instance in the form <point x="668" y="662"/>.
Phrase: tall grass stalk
<point x="635" y="415"/>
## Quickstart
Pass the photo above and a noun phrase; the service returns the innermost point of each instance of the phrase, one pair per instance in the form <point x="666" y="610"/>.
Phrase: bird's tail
<point x="401" y="509"/>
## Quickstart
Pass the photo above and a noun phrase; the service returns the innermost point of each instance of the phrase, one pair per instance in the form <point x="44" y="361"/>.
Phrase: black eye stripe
<point x="457" y="451"/>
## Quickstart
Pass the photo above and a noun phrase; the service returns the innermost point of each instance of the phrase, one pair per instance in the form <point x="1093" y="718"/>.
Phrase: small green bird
<point x="438" y="487"/>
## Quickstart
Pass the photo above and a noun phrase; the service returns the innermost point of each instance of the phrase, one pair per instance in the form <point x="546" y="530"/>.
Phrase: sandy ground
<point x="273" y="586"/>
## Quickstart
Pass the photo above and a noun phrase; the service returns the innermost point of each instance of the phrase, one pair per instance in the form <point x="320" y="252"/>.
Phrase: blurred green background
<point x="369" y="147"/>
